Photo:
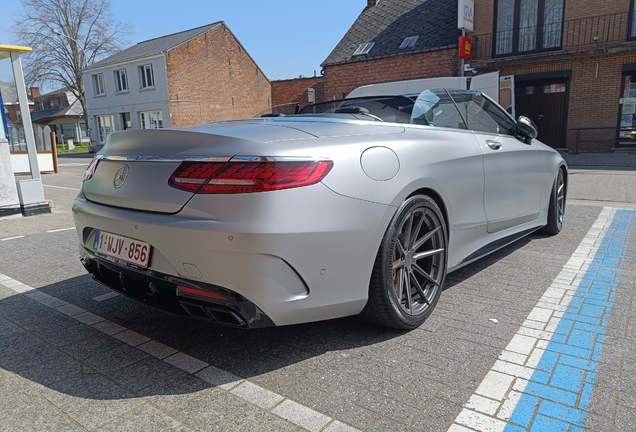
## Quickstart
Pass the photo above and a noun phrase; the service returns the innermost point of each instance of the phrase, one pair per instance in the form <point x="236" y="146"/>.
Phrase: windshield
<point x="451" y="108"/>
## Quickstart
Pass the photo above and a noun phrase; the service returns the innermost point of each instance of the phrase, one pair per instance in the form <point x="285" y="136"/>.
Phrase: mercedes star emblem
<point x="121" y="176"/>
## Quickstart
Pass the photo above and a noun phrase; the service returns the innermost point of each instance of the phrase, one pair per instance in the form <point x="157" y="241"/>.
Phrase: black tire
<point x="556" y="210"/>
<point x="410" y="268"/>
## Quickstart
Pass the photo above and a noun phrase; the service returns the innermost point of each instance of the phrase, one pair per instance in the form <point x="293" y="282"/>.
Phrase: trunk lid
<point x="136" y="165"/>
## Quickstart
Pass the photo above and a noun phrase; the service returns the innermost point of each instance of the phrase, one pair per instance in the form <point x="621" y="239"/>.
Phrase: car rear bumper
<point x="296" y="255"/>
<point x="169" y="293"/>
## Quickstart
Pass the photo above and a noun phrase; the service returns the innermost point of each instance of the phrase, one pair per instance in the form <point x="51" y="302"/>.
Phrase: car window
<point x="394" y="109"/>
<point x="435" y="108"/>
<point x="506" y="124"/>
<point x="482" y="115"/>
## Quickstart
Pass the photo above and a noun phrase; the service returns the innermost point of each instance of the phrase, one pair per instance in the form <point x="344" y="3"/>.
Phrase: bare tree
<point x="66" y="36"/>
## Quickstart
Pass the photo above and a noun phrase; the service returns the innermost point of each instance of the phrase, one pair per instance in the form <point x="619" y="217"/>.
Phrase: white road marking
<point x="11" y="238"/>
<point x="61" y="229"/>
<point x="74" y="164"/>
<point x="504" y="384"/>
<point x="266" y="399"/>
<point x="61" y="187"/>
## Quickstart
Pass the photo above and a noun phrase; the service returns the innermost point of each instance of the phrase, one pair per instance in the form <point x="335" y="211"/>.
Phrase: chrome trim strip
<point x="279" y="159"/>
<point x="145" y="158"/>
<point x="140" y="158"/>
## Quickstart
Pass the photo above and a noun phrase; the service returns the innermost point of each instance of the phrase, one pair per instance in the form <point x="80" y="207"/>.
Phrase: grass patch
<point x="79" y="148"/>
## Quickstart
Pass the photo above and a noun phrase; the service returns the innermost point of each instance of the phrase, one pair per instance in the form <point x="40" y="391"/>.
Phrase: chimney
<point x="371" y="3"/>
<point x="35" y="92"/>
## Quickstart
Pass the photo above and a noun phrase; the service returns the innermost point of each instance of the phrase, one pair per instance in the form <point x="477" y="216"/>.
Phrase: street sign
<point x="465" y="47"/>
<point x="466" y="15"/>
<point x="310" y="95"/>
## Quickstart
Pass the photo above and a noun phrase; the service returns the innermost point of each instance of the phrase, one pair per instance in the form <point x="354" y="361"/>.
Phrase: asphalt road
<point x="494" y="354"/>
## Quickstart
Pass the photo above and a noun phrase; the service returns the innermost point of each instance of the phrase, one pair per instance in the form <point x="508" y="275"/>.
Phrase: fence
<point x="582" y="34"/>
<point x="595" y="136"/>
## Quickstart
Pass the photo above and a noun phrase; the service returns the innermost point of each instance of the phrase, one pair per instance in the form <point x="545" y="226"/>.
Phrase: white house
<point x="128" y="90"/>
<point x="197" y="75"/>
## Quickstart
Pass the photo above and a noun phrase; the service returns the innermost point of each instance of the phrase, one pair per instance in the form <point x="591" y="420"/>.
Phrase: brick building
<point x="287" y="93"/>
<point x="394" y="40"/>
<point x="574" y="66"/>
<point x="198" y="75"/>
<point x="12" y="114"/>
<point x="62" y="112"/>
<point x="10" y="101"/>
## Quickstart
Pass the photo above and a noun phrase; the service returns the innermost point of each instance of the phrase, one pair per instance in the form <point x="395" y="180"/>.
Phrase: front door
<point x="513" y="168"/>
<point x="546" y="103"/>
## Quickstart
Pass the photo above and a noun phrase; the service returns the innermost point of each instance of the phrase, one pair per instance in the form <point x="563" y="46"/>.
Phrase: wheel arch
<point x="438" y="200"/>
<point x="566" y="176"/>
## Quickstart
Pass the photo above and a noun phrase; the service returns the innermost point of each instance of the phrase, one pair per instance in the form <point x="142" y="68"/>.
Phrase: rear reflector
<point x="201" y="293"/>
<point x="244" y="177"/>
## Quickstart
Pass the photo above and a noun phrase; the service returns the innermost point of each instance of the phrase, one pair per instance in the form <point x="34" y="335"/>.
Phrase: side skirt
<point x="492" y="247"/>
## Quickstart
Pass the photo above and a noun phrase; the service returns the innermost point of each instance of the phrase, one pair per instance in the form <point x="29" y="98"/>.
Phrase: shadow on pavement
<point x="68" y="359"/>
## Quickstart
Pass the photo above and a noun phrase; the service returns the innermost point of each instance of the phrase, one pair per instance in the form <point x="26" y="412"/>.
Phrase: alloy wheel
<point x="418" y="261"/>
<point x="560" y="197"/>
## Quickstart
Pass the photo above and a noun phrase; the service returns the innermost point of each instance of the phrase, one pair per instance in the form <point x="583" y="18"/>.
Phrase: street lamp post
<point x="77" y="44"/>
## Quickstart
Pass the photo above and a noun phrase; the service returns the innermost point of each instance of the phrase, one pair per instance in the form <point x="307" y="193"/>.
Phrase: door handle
<point x="495" y="145"/>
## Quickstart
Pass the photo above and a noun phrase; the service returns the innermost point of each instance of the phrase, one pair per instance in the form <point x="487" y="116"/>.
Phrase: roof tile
<point x="389" y="22"/>
<point x="154" y="46"/>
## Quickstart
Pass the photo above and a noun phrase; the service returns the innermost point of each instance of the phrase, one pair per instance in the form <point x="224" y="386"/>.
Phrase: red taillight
<point x="244" y="177"/>
<point x="201" y="293"/>
<point x="91" y="169"/>
<point x="190" y="176"/>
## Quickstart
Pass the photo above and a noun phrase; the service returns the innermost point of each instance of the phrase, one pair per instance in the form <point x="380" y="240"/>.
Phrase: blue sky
<point x="286" y="38"/>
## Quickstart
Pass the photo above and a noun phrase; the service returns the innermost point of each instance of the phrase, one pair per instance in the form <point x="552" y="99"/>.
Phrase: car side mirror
<point x="527" y="128"/>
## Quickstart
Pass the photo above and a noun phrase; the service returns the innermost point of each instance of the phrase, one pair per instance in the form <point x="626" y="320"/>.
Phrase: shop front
<point x="627" y="111"/>
<point x="544" y="97"/>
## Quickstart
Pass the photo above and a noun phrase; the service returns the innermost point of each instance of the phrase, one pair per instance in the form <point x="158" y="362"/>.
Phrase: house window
<point x="632" y="18"/>
<point x="68" y="130"/>
<point x="98" y="84"/>
<point x="54" y="103"/>
<point x="151" y="120"/>
<point x="528" y="25"/>
<point x="409" y="42"/>
<point x="40" y="105"/>
<point x="104" y="127"/>
<point x="121" y="80"/>
<point x="18" y="115"/>
<point x="147" y="77"/>
<point x="364" y="49"/>
<point x="125" y="121"/>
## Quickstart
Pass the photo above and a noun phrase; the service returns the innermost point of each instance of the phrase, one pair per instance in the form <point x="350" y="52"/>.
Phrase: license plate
<point x="123" y="248"/>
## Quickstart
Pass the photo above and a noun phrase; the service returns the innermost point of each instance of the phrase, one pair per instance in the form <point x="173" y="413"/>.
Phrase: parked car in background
<point x="359" y="206"/>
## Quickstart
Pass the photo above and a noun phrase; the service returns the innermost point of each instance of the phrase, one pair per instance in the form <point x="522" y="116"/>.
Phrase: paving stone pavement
<point x="545" y="378"/>
<point x="75" y="357"/>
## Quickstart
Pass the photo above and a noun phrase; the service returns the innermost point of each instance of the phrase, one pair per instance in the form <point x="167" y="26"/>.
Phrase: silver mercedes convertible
<point x="358" y="206"/>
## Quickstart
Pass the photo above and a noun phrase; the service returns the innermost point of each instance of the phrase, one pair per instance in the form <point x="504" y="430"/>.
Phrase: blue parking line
<point x="572" y="355"/>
